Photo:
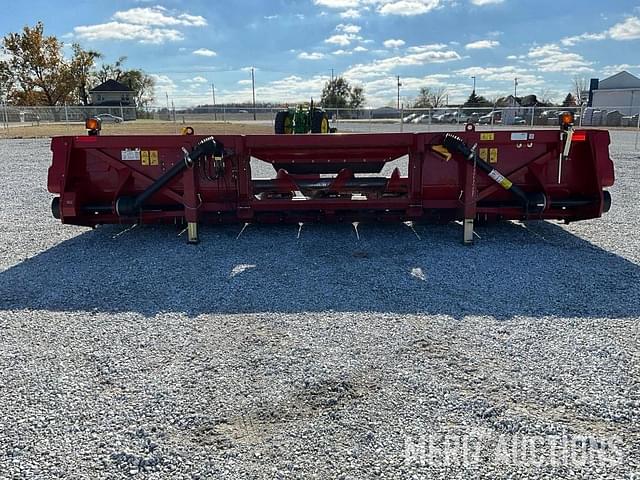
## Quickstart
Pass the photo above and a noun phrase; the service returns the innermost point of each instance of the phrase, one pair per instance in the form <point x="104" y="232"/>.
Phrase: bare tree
<point x="439" y="96"/>
<point x="545" y="97"/>
<point x="580" y="85"/>
<point x="430" y="98"/>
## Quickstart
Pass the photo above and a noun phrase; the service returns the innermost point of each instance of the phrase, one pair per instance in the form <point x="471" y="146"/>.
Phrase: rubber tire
<point x="320" y="122"/>
<point x="55" y="208"/>
<point x="283" y="123"/>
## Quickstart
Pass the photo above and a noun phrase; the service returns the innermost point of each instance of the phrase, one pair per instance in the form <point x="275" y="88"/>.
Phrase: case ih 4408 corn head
<point x="552" y="174"/>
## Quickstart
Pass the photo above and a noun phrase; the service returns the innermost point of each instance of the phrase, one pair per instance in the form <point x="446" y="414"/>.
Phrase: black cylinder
<point x="129" y="206"/>
<point x="159" y="183"/>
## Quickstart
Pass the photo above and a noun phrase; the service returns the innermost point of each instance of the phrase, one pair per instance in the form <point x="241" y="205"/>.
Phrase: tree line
<point x="36" y="72"/>
<point x="338" y="93"/>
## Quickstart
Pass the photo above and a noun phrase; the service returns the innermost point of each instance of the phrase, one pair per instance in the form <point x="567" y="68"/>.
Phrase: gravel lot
<point x="130" y="354"/>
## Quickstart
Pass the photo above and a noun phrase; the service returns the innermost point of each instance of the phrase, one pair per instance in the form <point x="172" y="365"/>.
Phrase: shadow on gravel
<point x="513" y="270"/>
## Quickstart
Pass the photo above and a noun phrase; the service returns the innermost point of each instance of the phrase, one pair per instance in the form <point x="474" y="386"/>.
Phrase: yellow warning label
<point x="144" y="157"/>
<point x="493" y="155"/>
<point x="506" y="184"/>
<point x="487" y="137"/>
<point x="484" y="154"/>
<point x="153" y="155"/>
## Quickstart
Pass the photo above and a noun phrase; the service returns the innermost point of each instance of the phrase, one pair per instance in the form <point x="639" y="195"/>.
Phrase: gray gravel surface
<point x="130" y="354"/>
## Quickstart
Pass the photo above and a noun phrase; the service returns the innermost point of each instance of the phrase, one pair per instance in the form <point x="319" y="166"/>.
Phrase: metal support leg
<point x="468" y="231"/>
<point x="192" y="232"/>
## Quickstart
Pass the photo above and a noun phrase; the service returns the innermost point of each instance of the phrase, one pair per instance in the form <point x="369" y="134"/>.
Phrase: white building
<point x="620" y="92"/>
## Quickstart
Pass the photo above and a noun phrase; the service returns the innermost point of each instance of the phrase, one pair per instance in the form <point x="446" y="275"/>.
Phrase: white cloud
<point x="342" y="52"/>
<point x="502" y="74"/>
<point x="383" y="66"/>
<point x="342" y="39"/>
<point x="158" y="16"/>
<point x="311" y="56"/>
<point x="291" y="89"/>
<point x="144" y="25"/>
<point x="571" y="41"/>
<point x="383" y="7"/>
<point x="338" y="3"/>
<point x="426" y="48"/>
<point x="482" y="44"/>
<point x="351" y="13"/>
<point x="204" y="52"/>
<point x="360" y="48"/>
<point x="552" y="58"/>
<point x="348" y="28"/>
<point x="393" y="43"/>
<point x="244" y="82"/>
<point x="613" y="69"/>
<point x="627" y="30"/>
<point x="198" y="80"/>
<point x="482" y="3"/>
<point x="163" y="84"/>
<point x="408" y="7"/>
<point x="127" y="31"/>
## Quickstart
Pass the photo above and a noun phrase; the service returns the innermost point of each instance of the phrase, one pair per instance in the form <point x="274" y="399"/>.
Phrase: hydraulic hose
<point x="129" y="206"/>
<point x="532" y="202"/>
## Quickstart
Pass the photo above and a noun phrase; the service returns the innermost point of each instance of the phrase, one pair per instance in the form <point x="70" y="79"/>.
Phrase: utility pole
<point x="332" y="76"/>
<point x="399" y="85"/>
<point x="213" y="94"/>
<point x="168" y="111"/>
<point x="515" y="88"/>
<point x="474" y="84"/>
<point x="253" y="87"/>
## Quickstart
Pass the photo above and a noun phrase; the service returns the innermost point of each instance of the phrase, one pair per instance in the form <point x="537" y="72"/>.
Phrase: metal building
<point x="620" y="92"/>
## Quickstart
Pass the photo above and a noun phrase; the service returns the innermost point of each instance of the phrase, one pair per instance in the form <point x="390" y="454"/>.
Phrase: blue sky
<point x="294" y="44"/>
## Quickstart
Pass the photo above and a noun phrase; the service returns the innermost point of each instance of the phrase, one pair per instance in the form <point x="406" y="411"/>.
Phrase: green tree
<point x="337" y="93"/>
<point x="36" y="72"/>
<point x="477" y="101"/>
<point x="82" y="65"/>
<point x="137" y="80"/>
<point x="111" y="71"/>
<point x="569" y="101"/>
<point x="424" y="98"/>
<point x="6" y="81"/>
<point x="356" y="98"/>
<point x="37" y="66"/>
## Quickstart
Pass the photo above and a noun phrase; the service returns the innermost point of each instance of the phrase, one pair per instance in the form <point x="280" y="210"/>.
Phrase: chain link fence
<point x="385" y="119"/>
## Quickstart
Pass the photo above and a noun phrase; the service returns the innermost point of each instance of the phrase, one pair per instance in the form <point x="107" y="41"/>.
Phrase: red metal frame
<point x="89" y="171"/>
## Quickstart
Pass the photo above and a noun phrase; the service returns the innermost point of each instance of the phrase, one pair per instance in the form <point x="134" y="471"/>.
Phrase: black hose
<point x="129" y="206"/>
<point x="535" y="202"/>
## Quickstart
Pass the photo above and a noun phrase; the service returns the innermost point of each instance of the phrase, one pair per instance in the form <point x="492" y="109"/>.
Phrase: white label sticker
<point x="494" y="174"/>
<point x="130" y="155"/>
<point x="519" y="137"/>
<point x="532" y="136"/>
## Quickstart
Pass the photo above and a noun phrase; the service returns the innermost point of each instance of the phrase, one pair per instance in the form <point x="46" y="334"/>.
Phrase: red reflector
<point x="86" y="139"/>
<point x="579" y="137"/>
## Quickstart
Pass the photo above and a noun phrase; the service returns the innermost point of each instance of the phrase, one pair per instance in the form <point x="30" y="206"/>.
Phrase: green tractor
<point x="305" y="118"/>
